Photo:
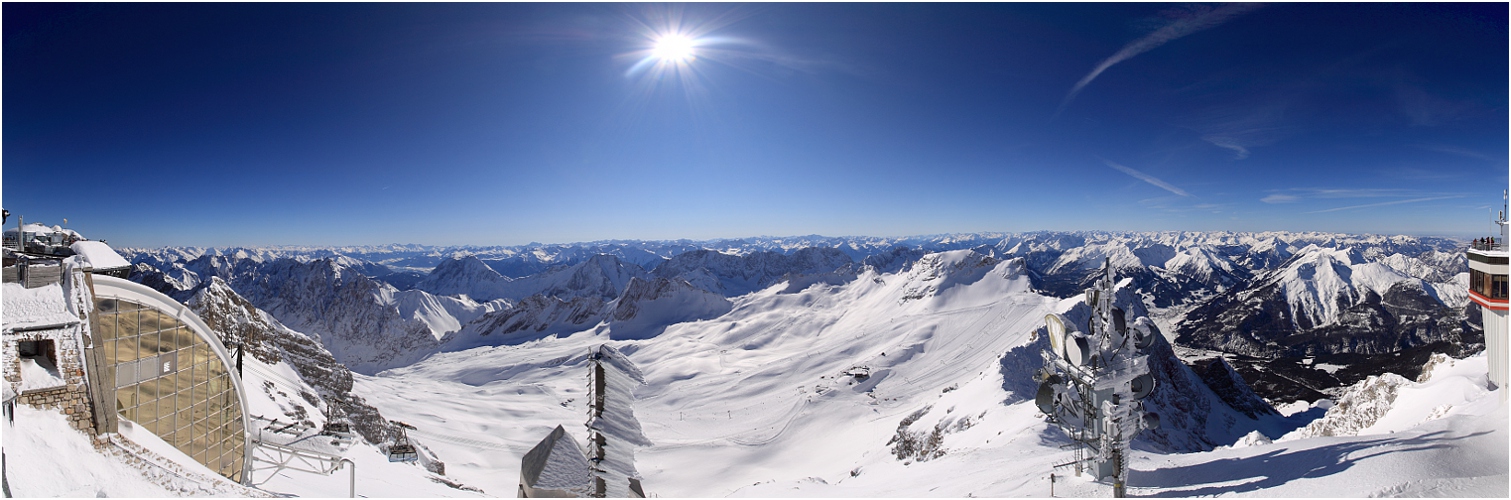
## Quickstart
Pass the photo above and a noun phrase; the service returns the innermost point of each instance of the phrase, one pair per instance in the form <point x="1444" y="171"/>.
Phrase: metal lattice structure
<point x="1093" y="383"/>
<point x="279" y="446"/>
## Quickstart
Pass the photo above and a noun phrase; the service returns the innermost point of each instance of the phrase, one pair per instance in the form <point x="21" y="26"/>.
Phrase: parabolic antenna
<point x="1046" y="398"/>
<point x="1142" y="386"/>
<point x="1056" y="327"/>
<point x="1077" y="350"/>
<point x="1145" y="332"/>
<point x="1119" y="333"/>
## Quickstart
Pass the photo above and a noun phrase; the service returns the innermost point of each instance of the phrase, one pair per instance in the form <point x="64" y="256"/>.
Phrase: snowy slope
<point x="45" y="457"/>
<point x="844" y="383"/>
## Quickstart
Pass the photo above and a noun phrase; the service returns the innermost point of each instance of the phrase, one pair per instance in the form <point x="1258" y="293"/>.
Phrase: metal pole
<point x="352" y="491"/>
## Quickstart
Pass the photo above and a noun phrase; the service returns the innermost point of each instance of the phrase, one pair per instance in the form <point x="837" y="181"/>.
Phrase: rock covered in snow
<point x="732" y="275"/>
<point x="647" y="307"/>
<point x="268" y="341"/>
<point x="1324" y="301"/>
<point x="1359" y="408"/>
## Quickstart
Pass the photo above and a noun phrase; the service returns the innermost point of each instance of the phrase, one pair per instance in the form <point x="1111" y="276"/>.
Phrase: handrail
<point x="1491" y="244"/>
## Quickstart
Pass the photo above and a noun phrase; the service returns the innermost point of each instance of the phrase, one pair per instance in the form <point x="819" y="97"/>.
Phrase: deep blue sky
<point x="249" y="124"/>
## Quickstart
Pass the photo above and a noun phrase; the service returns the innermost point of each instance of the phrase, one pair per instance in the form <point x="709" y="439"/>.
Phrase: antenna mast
<point x="1092" y="383"/>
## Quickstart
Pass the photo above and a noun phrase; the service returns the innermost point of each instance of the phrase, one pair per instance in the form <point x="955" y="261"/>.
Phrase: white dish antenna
<point x="1077" y="350"/>
<point x="1056" y="327"/>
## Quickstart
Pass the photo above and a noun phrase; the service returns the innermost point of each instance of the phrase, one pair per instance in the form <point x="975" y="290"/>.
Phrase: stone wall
<point x="73" y="397"/>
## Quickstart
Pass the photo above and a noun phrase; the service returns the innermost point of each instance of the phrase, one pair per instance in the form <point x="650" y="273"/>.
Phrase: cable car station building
<point x="109" y="352"/>
<point x="1488" y="277"/>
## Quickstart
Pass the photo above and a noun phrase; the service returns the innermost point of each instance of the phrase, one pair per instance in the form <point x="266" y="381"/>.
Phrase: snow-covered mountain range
<point x="818" y="366"/>
<point x="1269" y="295"/>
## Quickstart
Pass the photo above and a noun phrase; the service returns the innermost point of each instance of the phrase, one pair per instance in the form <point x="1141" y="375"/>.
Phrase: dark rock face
<point x="1229" y="385"/>
<point x="1260" y="322"/>
<point x="466" y="275"/>
<point x="242" y="324"/>
<point x="345" y="308"/>
<point x="732" y="275"/>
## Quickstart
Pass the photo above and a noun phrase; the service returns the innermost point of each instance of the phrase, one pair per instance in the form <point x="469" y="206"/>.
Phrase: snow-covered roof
<point x="99" y="255"/>
<point x="43" y="229"/>
<point x="558" y="464"/>
<point x="32" y="307"/>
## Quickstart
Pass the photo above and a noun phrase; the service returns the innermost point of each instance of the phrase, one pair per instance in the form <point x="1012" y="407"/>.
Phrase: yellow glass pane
<point x="216" y="372"/>
<point x="183" y="337"/>
<point x="201" y="395"/>
<point x="201" y="353"/>
<point x="163" y="427"/>
<point x="150" y="392"/>
<point x="151" y="320"/>
<point x="126" y="401"/>
<point x="148" y="341"/>
<point x="105" y="326"/>
<point x="181" y="437"/>
<point x="126" y="350"/>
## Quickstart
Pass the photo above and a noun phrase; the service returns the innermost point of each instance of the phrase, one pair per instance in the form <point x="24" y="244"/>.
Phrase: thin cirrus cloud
<point x="1453" y="150"/>
<point x="1146" y="178"/>
<point x="1298" y="194"/>
<point x="1208" y="18"/>
<point x="1280" y="198"/>
<point x="1381" y="204"/>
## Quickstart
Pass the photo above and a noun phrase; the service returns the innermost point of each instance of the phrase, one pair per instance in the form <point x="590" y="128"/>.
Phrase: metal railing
<point x="1494" y="244"/>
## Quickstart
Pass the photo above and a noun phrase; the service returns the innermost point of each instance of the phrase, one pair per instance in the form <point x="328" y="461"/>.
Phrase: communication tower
<point x="1093" y="383"/>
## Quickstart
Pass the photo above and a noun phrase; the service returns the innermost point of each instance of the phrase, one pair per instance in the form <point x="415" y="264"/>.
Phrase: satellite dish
<point x="1056" y="327"/>
<point x="1142" y="386"/>
<point x="1046" y="398"/>
<point x="1077" y="351"/>
<point x="1151" y="420"/>
<point x="1119" y="321"/>
<point x="1067" y="406"/>
<point x="1146" y="334"/>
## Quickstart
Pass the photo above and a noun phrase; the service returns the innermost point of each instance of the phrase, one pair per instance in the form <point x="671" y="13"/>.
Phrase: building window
<point x="39" y="365"/>
<point x="43" y="351"/>
<point x="169" y="381"/>
<point x="1497" y="286"/>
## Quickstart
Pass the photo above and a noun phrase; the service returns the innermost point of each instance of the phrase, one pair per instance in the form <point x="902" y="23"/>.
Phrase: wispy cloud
<point x="1295" y="194"/>
<point x="1425" y="109"/>
<point x="1381" y="204"/>
<point x="1146" y="178"/>
<point x="1453" y="150"/>
<point x="1239" y="151"/>
<point x="1203" y="19"/>
<point x="1281" y="198"/>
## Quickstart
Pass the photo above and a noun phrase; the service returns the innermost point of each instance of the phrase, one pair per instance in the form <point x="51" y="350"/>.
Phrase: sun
<point x="674" y="48"/>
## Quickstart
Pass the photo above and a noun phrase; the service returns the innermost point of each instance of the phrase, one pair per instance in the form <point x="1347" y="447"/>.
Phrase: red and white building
<point x="1488" y="270"/>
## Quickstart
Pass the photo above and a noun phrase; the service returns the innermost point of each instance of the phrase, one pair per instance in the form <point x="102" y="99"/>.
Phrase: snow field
<point x="765" y="401"/>
<point x="44" y="457"/>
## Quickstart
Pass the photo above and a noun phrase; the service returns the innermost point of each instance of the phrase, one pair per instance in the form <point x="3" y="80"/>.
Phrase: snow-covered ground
<point x="764" y="401"/>
<point x="44" y="457"/>
<point x="890" y="384"/>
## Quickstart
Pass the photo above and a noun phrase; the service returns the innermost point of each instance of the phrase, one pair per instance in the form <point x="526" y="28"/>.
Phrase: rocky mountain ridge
<point x="1272" y="294"/>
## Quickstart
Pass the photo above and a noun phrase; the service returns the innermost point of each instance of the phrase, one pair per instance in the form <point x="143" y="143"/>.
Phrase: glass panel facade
<point x="1488" y="285"/>
<point x="169" y="382"/>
